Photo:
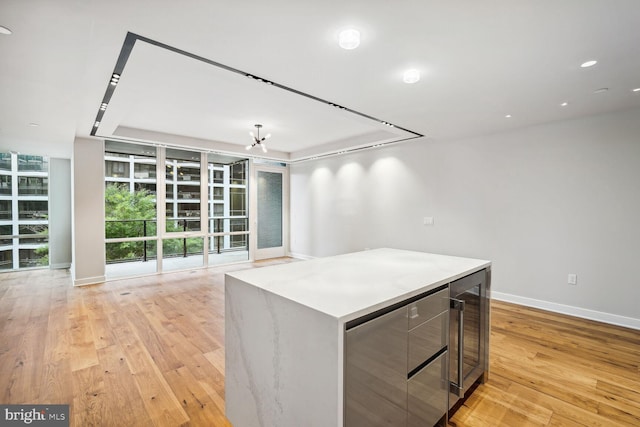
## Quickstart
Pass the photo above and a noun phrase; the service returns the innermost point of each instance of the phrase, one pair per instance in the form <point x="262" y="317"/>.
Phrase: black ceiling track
<point x="130" y="41"/>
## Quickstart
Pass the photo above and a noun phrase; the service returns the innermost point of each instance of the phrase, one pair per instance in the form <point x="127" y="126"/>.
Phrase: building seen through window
<point x="200" y="220"/>
<point x="24" y="211"/>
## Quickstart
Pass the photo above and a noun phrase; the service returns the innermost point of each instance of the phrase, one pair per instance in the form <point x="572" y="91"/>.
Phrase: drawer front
<point x="428" y="393"/>
<point x="428" y="307"/>
<point x="375" y="375"/>
<point x="427" y="339"/>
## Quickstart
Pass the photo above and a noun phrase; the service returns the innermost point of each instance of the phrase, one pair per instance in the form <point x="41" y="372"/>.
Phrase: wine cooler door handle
<point x="458" y="305"/>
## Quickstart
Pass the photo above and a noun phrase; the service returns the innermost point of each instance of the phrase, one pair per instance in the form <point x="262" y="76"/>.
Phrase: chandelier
<point x="257" y="140"/>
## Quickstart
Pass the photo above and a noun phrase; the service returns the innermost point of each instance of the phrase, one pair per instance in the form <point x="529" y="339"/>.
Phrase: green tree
<point x="125" y="215"/>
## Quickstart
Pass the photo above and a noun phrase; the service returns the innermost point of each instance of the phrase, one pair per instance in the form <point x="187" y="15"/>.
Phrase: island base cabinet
<point x="428" y="393"/>
<point x="376" y="372"/>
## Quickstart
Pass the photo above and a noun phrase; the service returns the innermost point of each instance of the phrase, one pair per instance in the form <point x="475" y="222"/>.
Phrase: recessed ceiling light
<point x="589" y="64"/>
<point x="5" y="30"/>
<point x="601" y="90"/>
<point x="508" y="116"/>
<point x="349" y="39"/>
<point x="564" y="104"/>
<point x="636" y="89"/>
<point x="411" y="76"/>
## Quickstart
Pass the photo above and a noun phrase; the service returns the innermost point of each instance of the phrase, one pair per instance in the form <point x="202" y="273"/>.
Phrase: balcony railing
<point x="134" y="240"/>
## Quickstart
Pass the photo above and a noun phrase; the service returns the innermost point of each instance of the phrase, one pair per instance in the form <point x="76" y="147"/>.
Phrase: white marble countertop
<point x="352" y="285"/>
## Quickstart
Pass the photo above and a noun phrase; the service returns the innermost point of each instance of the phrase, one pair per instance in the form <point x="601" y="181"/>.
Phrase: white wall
<point x="88" y="211"/>
<point x="59" y="213"/>
<point x="540" y="203"/>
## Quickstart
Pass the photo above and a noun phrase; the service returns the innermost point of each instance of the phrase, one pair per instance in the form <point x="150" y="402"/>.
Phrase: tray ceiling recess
<point x="158" y="94"/>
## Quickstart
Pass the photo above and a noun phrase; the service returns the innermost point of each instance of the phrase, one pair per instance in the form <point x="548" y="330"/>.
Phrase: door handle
<point x="458" y="305"/>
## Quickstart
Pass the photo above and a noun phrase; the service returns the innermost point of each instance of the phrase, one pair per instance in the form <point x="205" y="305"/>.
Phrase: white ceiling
<point x="480" y="60"/>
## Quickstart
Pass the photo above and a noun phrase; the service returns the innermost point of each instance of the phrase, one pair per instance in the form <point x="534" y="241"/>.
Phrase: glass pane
<point x="5" y="161"/>
<point x="130" y="196"/>
<point x="472" y="327"/>
<point x="238" y="173"/>
<point x="5" y="185"/>
<point x="131" y="258"/>
<point x="238" y="201"/>
<point x="5" y="209"/>
<point x="38" y="257"/>
<point x="6" y="259"/>
<point x="179" y="254"/>
<point x="6" y="230"/>
<point x="143" y="169"/>
<point x="227" y="249"/>
<point x="33" y="185"/>
<point x="149" y="188"/>
<point x="128" y="214"/>
<point x="33" y="163"/>
<point x="118" y="252"/>
<point x="33" y="233"/>
<point x="116" y="169"/>
<point x="33" y="209"/>
<point x="183" y="186"/>
<point x="30" y="221"/>
<point x="269" y="210"/>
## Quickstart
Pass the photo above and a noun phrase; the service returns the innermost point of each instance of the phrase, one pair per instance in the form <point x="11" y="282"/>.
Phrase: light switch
<point x="427" y="220"/>
<point x="572" y="279"/>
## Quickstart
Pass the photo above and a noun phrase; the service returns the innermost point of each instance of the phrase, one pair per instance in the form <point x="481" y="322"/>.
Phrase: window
<point x="227" y="210"/>
<point x="143" y="186"/>
<point x="5" y="209"/>
<point x="130" y="207"/>
<point x="6" y="232"/>
<point x="238" y="201"/>
<point x="33" y="163"/>
<point x="238" y="173"/>
<point x="218" y="193"/>
<point x="183" y="186"/>
<point x="5" y="161"/>
<point x="6" y="259"/>
<point x="5" y="185"/>
<point x="116" y="169"/>
<point x="33" y="209"/>
<point x="33" y="185"/>
<point x="145" y="170"/>
<point x="24" y="211"/>
<point x="133" y="239"/>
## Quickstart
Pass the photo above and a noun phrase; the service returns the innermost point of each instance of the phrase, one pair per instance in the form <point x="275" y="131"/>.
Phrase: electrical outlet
<point x="572" y="279"/>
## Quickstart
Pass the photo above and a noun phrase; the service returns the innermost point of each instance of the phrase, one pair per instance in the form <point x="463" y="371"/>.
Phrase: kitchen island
<point x="285" y="328"/>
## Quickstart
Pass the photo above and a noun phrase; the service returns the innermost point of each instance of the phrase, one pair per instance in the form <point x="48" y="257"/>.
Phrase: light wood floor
<point x="150" y="351"/>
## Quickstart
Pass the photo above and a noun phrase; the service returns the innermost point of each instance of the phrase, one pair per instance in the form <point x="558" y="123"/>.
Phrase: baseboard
<point x="300" y="256"/>
<point x="613" y="319"/>
<point x="60" y="266"/>
<point x="89" y="281"/>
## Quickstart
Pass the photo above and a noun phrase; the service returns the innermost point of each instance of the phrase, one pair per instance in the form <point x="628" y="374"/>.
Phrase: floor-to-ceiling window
<point x="228" y="214"/>
<point x="130" y="209"/>
<point x="200" y="200"/>
<point x="183" y="246"/>
<point x="24" y="211"/>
